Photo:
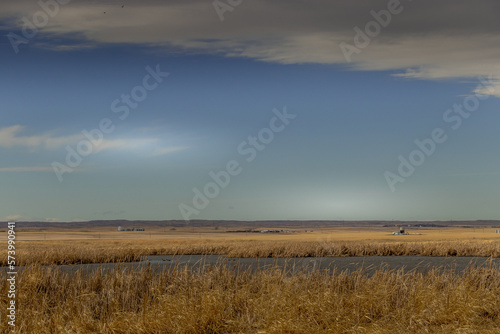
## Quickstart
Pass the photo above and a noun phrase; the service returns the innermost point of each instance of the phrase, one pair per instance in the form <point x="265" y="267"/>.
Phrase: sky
<point x="249" y="110"/>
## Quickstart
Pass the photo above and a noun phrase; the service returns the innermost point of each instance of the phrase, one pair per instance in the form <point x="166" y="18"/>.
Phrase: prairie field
<point x="104" y="246"/>
<point x="220" y="299"/>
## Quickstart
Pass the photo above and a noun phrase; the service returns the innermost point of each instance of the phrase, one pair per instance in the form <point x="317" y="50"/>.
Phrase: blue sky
<point x="350" y="121"/>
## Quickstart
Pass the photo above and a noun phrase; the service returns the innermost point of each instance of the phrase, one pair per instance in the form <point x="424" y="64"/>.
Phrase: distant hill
<point x="253" y="224"/>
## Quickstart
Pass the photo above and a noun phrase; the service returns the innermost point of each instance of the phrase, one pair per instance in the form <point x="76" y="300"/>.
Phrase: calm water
<point x="369" y="263"/>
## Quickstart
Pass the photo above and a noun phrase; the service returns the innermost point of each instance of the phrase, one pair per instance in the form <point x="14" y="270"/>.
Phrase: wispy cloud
<point x="11" y="137"/>
<point x="121" y="144"/>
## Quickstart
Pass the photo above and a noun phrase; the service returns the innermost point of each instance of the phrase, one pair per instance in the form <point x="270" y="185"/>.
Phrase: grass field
<point x="72" y="247"/>
<point x="338" y="234"/>
<point x="219" y="299"/>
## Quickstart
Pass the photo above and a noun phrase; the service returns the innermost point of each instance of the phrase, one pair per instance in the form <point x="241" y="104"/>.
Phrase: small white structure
<point x="402" y="231"/>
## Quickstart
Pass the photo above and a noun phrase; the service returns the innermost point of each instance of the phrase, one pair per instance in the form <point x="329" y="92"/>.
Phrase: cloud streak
<point x="12" y="137"/>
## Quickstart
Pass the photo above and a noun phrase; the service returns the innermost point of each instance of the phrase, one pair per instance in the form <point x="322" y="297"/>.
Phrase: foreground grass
<point x="106" y="251"/>
<point x="221" y="300"/>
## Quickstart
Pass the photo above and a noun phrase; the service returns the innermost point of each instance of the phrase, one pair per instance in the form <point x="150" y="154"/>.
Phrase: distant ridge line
<point x="257" y="223"/>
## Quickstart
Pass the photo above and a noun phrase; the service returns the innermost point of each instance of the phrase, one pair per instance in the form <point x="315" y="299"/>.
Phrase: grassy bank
<point x="219" y="300"/>
<point x="102" y="251"/>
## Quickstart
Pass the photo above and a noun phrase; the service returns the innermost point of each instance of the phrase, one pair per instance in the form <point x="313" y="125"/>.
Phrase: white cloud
<point x="11" y="137"/>
<point x="493" y="88"/>
<point x="112" y="144"/>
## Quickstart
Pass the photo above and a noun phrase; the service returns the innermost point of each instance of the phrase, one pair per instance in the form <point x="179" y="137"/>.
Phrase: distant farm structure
<point x="402" y="231"/>
<point x="276" y="231"/>
<point x="121" y="229"/>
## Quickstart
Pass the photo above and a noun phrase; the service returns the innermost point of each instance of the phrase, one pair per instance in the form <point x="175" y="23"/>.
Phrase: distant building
<point x="271" y="231"/>
<point x="121" y="229"/>
<point x="402" y="231"/>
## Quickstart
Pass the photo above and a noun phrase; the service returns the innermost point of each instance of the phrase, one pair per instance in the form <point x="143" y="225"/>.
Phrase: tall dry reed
<point x="102" y="251"/>
<point x="219" y="299"/>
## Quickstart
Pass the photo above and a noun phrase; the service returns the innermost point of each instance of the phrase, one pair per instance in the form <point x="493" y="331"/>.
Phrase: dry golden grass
<point x="219" y="300"/>
<point x="337" y="234"/>
<point x="103" y="251"/>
